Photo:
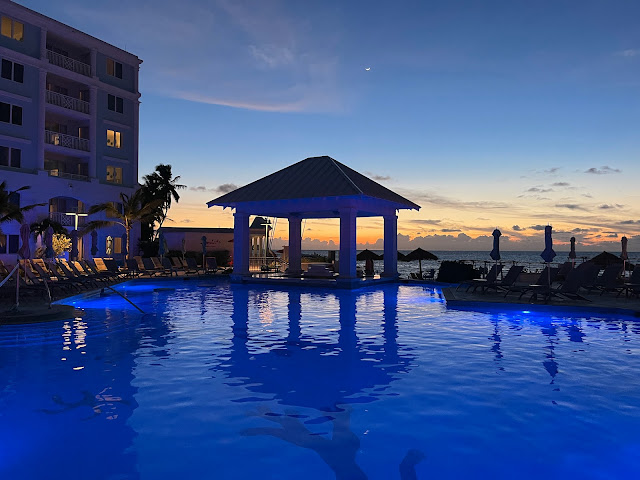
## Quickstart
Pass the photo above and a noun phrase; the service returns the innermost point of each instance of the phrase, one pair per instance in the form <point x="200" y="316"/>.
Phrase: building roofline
<point x="44" y="21"/>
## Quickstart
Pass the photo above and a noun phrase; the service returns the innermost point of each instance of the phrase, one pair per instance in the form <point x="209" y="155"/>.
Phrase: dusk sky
<point x="509" y="114"/>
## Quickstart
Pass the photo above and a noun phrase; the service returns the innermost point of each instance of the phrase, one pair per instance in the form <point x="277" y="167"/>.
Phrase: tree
<point x="39" y="228"/>
<point x="10" y="209"/>
<point x="134" y="209"/>
<point x="160" y="185"/>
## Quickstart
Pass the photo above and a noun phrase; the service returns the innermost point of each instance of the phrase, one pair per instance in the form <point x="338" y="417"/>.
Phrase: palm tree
<point x="134" y="210"/>
<point x="160" y="185"/>
<point x="10" y="210"/>
<point x="38" y="228"/>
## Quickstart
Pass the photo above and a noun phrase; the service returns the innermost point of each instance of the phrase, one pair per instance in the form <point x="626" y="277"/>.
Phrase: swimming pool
<point x="226" y="381"/>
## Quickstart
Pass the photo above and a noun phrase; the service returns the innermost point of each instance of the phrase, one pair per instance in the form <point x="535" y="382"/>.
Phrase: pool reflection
<point x="325" y="376"/>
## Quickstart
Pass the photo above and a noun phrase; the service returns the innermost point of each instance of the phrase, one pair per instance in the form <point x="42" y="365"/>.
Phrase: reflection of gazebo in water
<point x="319" y="375"/>
<point x="318" y="187"/>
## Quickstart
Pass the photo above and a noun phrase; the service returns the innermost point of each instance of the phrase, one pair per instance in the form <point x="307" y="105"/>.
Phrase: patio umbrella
<point x="25" y="249"/>
<point x="125" y="252"/>
<point x="368" y="255"/>
<point x="624" y="255"/>
<point x="48" y="243"/>
<point x="161" y="244"/>
<point x="572" y="253"/>
<point x="548" y="254"/>
<point x="495" y="253"/>
<point x="94" y="243"/>
<point x="419" y="254"/>
<point x="184" y="248"/>
<point x="74" y="245"/>
<point x="401" y="256"/>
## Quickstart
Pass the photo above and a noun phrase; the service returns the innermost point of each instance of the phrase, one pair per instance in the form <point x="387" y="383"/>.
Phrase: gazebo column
<point x="348" y="242"/>
<point x="241" y="243"/>
<point x="295" y="244"/>
<point x="390" y="246"/>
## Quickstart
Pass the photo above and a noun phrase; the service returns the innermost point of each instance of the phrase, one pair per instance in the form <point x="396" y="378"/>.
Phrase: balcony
<point x="68" y="141"/>
<point x="69" y="63"/>
<point x="67" y="102"/>
<point x="69" y="176"/>
<point x="66" y="220"/>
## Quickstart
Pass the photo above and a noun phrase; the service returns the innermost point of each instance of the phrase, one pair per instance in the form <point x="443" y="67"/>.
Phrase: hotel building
<point x="69" y="107"/>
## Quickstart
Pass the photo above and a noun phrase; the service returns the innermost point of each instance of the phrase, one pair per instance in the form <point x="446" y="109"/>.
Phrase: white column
<point x="390" y="245"/>
<point x="136" y="139"/>
<point x="295" y="244"/>
<point x="42" y="99"/>
<point x="93" y="131"/>
<point x="241" y="245"/>
<point x="348" y="243"/>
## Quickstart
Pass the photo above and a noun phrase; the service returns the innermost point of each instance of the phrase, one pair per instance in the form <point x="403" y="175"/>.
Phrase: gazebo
<point x="317" y="187"/>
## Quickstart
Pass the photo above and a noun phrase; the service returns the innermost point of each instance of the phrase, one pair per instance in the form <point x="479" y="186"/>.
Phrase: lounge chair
<point x="507" y="281"/>
<point x="132" y="268"/>
<point x="160" y="268"/>
<point x="632" y="287"/>
<point x="192" y="266"/>
<point x="491" y="278"/>
<point x="149" y="267"/>
<point x="212" y="264"/>
<point x="546" y="277"/>
<point x="575" y="280"/>
<point x="608" y="281"/>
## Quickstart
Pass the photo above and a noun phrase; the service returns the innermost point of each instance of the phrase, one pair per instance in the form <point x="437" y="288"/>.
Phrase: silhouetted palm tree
<point x="161" y="185"/>
<point x="134" y="209"/>
<point x="10" y="210"/>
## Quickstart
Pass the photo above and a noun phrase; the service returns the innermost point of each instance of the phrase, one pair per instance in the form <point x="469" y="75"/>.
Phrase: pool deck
<point x="604" y="303"/>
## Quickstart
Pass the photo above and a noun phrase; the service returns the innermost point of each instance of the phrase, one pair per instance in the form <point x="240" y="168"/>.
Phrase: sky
<point x="509" y="114"/>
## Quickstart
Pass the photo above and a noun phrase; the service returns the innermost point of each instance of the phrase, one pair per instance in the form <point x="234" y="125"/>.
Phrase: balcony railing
<point x="70" y="176"/>
<point x="69" y="141"/>
<point x="69" y="63"/>
<point x="66" y="101"/>
<point x="66" y="220"/>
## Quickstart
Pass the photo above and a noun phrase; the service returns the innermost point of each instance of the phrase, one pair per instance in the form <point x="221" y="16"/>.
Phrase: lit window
<point x="10" y="113"/>
<point x="117" y="245"/>
<point x="114" y="68"/>
<point x="12" y="29"/>
<point x="114" y="174"/>
<point x="113" y="139"/>
<point x="114" y="103"/>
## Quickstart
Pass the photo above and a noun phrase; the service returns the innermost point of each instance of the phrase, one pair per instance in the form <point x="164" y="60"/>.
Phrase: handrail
<point x="114" y="290"/>
<point x="65" y="101"/>
<point x="9" y="276"/>
<point x="68" y="63"/>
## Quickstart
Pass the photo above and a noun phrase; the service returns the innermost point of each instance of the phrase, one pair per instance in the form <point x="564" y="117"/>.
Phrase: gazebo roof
<point x="312" y="178"/>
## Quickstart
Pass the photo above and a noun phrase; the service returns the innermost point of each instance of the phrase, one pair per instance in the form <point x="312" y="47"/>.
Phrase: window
<point x="10" y="157"/>
<point x="14" y="241"/>
<point x="114" y="174"/>
<point x="12" y="71"/>
<point x="113" y="139"/>
<point x="114" y="103"/>
<point x="114" y="68"/>
<point x="12" y="29"/>
<point x="10" y="113"/>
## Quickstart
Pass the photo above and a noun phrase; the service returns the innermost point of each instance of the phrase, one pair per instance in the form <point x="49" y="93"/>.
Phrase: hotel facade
<point x="69" y="109"/>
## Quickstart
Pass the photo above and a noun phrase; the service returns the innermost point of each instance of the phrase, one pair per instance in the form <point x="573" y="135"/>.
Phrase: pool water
<point x="224" y="381"/>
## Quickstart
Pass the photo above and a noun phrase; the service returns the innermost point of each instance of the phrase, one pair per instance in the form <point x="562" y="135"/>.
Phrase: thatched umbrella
<point x="419" y="254"/>
<point x="605" y="258"/>
<point x="368" y="255"/>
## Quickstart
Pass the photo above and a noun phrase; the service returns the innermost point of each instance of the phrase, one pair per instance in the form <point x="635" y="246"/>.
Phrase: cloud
<point x="629" y="222"/>
<point x="517" y="228"/>
<point x="630" y="52"/>
<point x="450" y="230"/>
<point x="602" y="170"/>
<point x="200" y="188"/>
<point x="423" y="221"/>
<point x="560" y="184"/>
<point x="571" y="206"/>
<point x="540" y="190"/>
<point x="186" y="220"/>
<point x="378" y="178"/>
<point x="271" y="56"/>
<point x="226" y="187"/>
<point x="552" y="170"/>
<point x="538" y="227"/>
<point x="606" y="206"/>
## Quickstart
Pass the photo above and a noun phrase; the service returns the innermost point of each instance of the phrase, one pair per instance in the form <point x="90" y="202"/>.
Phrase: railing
<point x="264" y="264"/>
<point x="69" y="141"/>
<point x="69" y="63"/>
<point x="66" y="220"/>
<point x="68" y="102"/>
<point x="70" y="176"/>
